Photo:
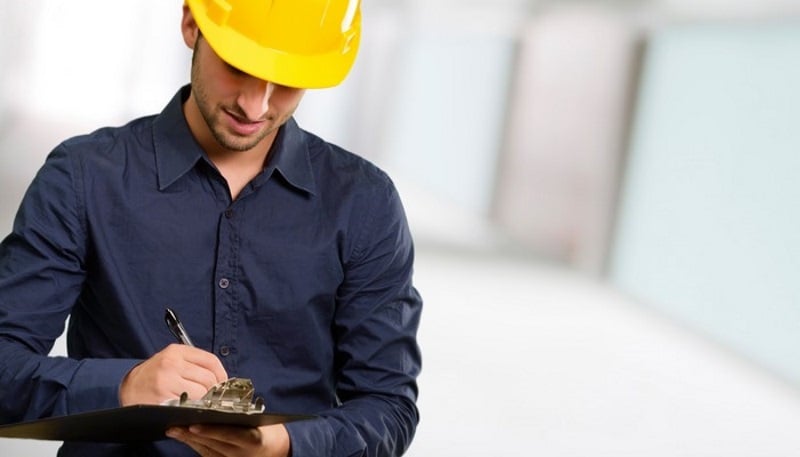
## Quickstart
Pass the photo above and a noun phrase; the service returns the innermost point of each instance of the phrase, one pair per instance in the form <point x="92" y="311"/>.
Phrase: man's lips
<point x="241" y="125"/>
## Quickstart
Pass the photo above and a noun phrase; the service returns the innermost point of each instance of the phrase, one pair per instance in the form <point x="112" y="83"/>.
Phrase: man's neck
<point x="237" y="167"/>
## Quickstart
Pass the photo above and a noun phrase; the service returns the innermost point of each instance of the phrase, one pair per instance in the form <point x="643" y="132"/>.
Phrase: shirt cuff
<point x="96" y="384"/>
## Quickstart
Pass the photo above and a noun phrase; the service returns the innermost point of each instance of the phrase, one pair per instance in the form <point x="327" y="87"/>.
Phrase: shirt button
<point x="224" y="351"/>
<point x="224" y="283"/>
<point x="228" y="213"/>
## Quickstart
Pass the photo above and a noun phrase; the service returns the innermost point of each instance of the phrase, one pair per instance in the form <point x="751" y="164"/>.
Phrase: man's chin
<point x="238" y="143"/>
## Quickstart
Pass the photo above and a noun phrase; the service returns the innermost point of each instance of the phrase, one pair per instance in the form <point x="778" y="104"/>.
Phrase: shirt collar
<point x="291" y="157"/>
<point x="177" y="152"/>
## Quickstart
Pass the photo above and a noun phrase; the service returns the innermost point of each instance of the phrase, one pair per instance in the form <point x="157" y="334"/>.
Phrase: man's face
<point x="239" y="110"/>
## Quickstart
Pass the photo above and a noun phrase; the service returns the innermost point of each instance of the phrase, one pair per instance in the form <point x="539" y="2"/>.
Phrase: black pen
<point x="176" y="328"/>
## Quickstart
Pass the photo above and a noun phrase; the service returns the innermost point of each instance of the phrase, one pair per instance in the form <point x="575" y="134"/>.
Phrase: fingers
<point x="190" y="365"/>
<point x="197" y="375"/>
<point x="207" y="445"/>
<point x="167" y="374"/>
<point x="222" y="435"/>
<point x="203" y="451"/>
<point x="212" y="441"/>
<point x="202" y="359"/>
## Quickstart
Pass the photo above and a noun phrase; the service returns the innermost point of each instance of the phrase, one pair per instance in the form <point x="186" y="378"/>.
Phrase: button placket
<point x="226" y="296"/>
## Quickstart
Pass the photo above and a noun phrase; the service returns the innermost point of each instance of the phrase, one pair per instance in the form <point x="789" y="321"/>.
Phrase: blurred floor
<point x="523" y="359"/>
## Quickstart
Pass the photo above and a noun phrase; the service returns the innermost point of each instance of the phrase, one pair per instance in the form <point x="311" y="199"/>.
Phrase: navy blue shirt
<point x="302" y="284"/>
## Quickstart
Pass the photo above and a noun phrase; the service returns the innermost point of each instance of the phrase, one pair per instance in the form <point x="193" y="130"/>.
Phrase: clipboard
<point x="134" y="423"/>
<point x="221" y="406"/>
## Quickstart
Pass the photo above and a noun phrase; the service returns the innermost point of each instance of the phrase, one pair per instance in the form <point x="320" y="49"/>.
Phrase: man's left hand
<point x="223" y="441"/>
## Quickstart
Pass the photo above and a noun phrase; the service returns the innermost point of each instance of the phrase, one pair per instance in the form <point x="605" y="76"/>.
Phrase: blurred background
<point x="600" y="194"/>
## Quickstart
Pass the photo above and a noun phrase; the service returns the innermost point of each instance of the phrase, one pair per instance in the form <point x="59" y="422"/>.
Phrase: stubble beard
<point x="212" y="114"/>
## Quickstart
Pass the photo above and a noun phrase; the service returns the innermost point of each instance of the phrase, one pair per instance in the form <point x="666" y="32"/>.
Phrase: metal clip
<point x="234" y="395"/>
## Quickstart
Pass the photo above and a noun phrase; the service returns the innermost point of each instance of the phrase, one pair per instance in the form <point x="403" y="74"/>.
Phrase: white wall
<point x="709" y="230"/>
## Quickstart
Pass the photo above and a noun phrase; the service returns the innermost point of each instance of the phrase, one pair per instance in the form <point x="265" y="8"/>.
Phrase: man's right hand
<point x="165" y="376"/>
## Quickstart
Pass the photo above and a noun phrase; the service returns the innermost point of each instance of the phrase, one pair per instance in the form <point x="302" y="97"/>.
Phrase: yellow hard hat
<point x="297" y="43"/>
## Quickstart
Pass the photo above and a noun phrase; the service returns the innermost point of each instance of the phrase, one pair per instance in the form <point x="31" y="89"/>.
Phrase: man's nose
<point x="254" y="98"/>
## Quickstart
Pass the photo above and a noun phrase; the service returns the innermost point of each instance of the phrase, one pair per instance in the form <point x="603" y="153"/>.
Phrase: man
<point x="287" y="258"/>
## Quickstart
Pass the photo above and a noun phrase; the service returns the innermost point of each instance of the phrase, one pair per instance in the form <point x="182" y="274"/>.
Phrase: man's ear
<point x="189" y="27"/>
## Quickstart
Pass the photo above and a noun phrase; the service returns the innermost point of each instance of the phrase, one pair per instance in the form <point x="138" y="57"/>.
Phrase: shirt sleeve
<point x="41" y="277"/>
<point x="377" y="356"/>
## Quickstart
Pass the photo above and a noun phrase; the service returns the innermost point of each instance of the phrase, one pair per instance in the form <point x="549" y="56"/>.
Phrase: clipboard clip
<point x="234" y="396"/>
